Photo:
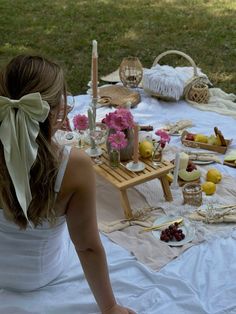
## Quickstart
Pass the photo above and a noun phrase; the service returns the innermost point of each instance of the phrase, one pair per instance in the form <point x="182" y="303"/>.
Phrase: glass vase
<point x="131" y="72"/>
<point x="114" y="158"/>
<point x="127" y="152"/>
<point x="157" y="156"/>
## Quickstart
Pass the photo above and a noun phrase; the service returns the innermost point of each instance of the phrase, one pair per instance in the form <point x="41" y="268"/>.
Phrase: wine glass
<point x="70" y="102"/>
<point x="63" y="122"/>
<point x="98" y="136"/>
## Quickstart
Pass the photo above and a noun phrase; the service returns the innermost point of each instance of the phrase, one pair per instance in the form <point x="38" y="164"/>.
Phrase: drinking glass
<point x="70" y="102"/>
<point x="63" y="122"/>
<point x="98" y="135"/>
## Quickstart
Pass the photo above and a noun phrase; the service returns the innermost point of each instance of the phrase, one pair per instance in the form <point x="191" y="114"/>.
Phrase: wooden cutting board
<point x="117" y="95"/>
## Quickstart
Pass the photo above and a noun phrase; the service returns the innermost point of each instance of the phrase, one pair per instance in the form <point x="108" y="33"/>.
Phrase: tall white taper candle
<point x="95" y="70"/>
<point x="135" y="154"/>
<point x="176" y="171"/>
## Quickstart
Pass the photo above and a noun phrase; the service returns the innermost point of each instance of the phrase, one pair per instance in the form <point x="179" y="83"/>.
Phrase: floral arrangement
<point x="120" y="121"/>
<point x="80" y="122"/>
<point x="164" y="138"/>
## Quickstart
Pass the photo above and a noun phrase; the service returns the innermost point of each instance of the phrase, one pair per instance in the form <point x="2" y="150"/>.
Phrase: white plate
<point x="203" y="162"/>
<point x="186" y="226"/>
<point x="177" y="133"/>
<point x="131" y="166"/>
<point x="94" y="153"/>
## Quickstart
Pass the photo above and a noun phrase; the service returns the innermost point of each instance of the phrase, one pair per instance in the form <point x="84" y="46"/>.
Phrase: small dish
<point x="203" y="162"/>
<point x="69" y="136"/>
<point x="186" y="226"/>
<point x="135" y="167"/>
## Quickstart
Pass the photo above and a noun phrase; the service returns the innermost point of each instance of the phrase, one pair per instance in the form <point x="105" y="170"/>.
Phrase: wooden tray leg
<point x="125" y="204"/>
<point x="166" y="189"/>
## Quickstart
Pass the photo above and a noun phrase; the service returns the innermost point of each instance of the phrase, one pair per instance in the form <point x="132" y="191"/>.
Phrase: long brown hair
<point x="24" y="75"/>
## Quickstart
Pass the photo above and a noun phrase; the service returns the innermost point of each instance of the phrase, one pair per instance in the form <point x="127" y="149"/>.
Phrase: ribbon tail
<point x="13" y="158"/>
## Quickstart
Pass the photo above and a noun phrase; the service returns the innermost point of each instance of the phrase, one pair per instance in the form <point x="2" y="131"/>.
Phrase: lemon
<point x="209" y="188"/>
<point x="145" y="149"/>
<point x="213" y="175"/>
<point x="201" y="138"/>
<point x="169" y="177"/>
<point x="212" y="140"/>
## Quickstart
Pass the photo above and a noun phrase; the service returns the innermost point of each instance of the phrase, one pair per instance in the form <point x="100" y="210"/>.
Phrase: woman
<point x="43" y="187"/>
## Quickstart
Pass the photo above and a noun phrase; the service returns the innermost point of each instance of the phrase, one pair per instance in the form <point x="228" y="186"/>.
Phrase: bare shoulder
<point x="79" y="157"/>
<point x="79" y="168"/>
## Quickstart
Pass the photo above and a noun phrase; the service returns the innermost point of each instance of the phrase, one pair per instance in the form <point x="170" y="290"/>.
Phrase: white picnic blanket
<point x="200" y="281"/>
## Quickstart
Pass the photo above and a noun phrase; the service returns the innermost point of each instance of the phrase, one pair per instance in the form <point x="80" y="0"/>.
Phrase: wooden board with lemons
<point x="215" y="142"/>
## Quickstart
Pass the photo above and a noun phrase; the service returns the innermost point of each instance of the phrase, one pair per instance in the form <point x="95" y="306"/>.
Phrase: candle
<point x="91" y="127"/>
<point x="183" y="162"/>
<point x="135" y="155"/>
<point x="176" y="171"/>
<point x="95" y="70"/>
<point x="90" y="120"/>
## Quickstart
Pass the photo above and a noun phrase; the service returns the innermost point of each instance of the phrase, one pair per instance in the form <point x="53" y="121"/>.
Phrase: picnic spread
<point x="164" y="157"/>
<point x="205" y="232"/>
<point x="204" y="138"/>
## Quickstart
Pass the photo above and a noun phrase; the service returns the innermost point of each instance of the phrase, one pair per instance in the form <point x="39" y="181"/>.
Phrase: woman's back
<point x="32" y="98"/>
<point x="33" y="257"/>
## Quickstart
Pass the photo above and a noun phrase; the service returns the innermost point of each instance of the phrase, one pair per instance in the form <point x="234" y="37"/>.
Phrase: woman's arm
<point x="82" y="225"/>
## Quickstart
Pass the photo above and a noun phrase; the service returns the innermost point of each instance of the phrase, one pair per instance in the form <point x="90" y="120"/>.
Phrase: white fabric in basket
<point x="168" y="81"/>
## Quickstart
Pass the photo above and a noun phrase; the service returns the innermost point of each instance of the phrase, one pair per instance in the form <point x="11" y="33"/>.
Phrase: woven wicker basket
<point x="195" y="90"/>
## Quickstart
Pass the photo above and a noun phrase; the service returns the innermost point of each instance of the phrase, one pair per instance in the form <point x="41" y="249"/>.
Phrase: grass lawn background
<point x="63" y="30"/>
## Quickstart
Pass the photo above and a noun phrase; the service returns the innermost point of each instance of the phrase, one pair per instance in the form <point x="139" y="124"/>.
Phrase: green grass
<point x="63" y="30"/>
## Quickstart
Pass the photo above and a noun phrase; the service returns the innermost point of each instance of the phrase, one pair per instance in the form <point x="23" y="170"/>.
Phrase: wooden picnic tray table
<point x="122" y="178"/>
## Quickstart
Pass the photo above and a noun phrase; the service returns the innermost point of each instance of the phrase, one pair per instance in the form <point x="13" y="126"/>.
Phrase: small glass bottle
<point x="157" y="156"/>
<point x="114" y="157"/>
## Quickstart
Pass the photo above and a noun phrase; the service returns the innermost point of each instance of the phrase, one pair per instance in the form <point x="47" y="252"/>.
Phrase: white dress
<point x="38" y="260"/>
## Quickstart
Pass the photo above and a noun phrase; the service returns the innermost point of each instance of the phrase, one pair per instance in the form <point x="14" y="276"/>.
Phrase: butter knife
<point x="156" y="227"/>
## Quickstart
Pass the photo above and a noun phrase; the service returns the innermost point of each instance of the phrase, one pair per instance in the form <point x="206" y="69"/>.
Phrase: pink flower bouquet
<point x="164" y="138"/>
<point x="80" y="122"/>
<point x="119" y="122"/>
